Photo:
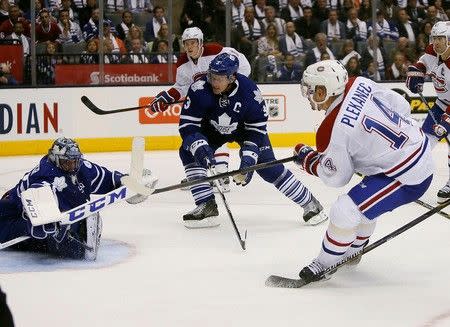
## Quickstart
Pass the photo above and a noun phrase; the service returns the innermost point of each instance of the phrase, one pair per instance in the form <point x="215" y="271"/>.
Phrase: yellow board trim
<point x="110" y="144"/>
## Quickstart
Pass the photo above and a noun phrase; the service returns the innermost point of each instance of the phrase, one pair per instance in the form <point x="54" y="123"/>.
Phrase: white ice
<point x="172" y="276"/>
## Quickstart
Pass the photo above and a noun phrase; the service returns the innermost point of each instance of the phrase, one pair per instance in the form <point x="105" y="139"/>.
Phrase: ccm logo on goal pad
<point x="170" y="116"/>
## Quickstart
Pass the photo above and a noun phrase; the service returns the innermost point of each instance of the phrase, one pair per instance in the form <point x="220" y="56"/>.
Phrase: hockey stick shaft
<point x="224" y="175"/>
<point x="92" y="107"/>
<point x="388" y="237"/>
<point x="230" y="215"/>
<point x="13" y="241"/>
<point x="431" y="113"/>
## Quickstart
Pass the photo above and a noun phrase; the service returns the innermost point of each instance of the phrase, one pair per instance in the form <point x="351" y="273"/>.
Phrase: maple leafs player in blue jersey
<point x="225" y="107"/>
<point x="72" y="179"/>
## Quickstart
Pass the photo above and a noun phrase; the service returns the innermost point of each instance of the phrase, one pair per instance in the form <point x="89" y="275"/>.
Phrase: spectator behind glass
<point x="424" y="38"/>
<point x="18" y="35"/>
<point x="46" y="65"/>
<point x="47" y="30"/>
<point x="136" y="54"/>
<point x="90" y="55"/>
<point x="153" y="26"/>
<point x="343" y="12"/>
<point x="163" y="34"/>
<point x="123" y="28"/>
<point x="6" y="28"/>
<point x="119" y="45"/>
<point x="332" y="28"/>
<point x="85" y="13"/>
<point x="292" y="43"/>
<point x="38" y="7"/>
<point x="292" y="12"/>
<point x="397" y="71"/>
<point x="405" y="27"/>
<point x="353" y="67"/>
<point x="162" y="55"/>
<point x="260" y="6"/>
<point x="348" y="52"/>
<point x="289" y="70"/>
<point x="314" y="55"/>
<point x="365" y="10"/>
<point x="385" y="30"/>
<point x="368" y="56"/>
<point x="111" y="55"/>
<point x="134" y="33"/>
<point x="70" y="31"/>
<point x="237" y="12"/>
<point x="249" y="31"/>
<point x="90" y="29"/>
<point x="5" y="74"/>
<point x="404" y="47"/>
<point x="320" y="10"/>
<point x="198" y="13"/>
<point x="356" y="28"/>
<point x="4" y="8"/>
<point x="440" y="10"/>
<point x="268" y="44"/>
<point x="272" y="19"/>
<point x="307" y="26"/>
<point x="68" y="5"/>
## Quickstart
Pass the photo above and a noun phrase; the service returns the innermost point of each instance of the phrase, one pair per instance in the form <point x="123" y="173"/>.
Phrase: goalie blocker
<point x="63" y="181"/>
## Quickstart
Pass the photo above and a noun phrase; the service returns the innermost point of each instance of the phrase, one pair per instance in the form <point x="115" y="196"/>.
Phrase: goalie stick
<point x="144" y="190"/>
<point x="92" y="107"/>
<point x="284" y="282"/>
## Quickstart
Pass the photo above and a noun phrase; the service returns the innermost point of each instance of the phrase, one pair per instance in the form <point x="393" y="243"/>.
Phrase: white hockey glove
<point x="149" y="181"/>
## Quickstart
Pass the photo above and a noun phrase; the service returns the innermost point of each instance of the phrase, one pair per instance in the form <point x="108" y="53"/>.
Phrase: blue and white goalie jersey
<point x="239" y="116"/>
<point x="70" y="190"/>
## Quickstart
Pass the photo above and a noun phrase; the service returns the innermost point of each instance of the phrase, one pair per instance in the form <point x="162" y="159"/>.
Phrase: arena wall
<point x="31" y="118"/>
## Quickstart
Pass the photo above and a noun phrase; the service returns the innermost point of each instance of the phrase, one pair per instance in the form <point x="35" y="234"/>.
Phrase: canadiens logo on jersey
<point x="224" y="125"/>
<point x="439" y="82"/>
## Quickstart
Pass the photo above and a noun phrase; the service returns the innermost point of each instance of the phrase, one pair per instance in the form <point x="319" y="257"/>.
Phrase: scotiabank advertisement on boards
<point x="121" y="74"/>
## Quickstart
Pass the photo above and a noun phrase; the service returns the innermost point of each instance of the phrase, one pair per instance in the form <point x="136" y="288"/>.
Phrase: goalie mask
<point x="66" y="155"/>
<point x="330" y="74"/>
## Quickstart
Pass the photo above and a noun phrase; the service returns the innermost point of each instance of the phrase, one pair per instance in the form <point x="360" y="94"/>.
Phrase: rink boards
<point x="31" y="118"/>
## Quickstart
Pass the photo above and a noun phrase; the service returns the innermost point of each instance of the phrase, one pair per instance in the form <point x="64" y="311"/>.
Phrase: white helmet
<point x="192" y="33"/>
<point x="328" y="73"/>
<point x="440" y="29"/>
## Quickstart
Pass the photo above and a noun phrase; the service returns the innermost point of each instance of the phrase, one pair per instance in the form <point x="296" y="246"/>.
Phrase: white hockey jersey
<point x="431" y="63"/>
<point x="368" y="130"/>
<point x="188" y="71"/>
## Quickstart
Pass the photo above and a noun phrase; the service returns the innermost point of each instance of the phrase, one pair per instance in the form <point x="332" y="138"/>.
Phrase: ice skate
<point x="444" y="194"/>
<point x="203" y="216"/>
<point x="313" y="213"/>
<point x="312" y="272"/>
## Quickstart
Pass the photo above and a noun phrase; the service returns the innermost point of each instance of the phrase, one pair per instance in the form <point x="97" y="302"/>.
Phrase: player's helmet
<point x="440" y="29"/>
<point x="224" y="64"/>
<point x="192" y="33"/>
<point x="65" y="154"/>
<point x="328" y="73"/>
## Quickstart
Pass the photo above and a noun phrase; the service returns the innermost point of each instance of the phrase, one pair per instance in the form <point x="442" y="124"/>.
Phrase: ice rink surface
<point x="152" y="271"/>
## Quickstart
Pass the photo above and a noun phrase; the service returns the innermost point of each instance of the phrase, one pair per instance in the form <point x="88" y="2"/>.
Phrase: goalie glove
<point x="307" y="158"/>
<point x="249" y="157"/>
<point x="443" y="127"/>
<point x="415" y="78"/>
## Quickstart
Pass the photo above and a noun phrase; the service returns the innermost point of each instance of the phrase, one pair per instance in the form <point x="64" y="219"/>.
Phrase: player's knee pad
<point x="93" y="234"/>
<point x="344" y="214"/>
<point x="366" y="227"/>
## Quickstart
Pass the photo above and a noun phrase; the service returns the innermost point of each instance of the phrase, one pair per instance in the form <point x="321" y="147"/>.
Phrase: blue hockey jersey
<point x="239" y="116"/>
<point x="70" y="190"/>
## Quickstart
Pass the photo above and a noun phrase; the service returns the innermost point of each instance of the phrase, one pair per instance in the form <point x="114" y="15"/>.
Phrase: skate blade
<point x="203" y="223"/>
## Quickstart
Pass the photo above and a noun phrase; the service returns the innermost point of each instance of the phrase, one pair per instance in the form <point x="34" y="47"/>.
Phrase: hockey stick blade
<point x="284" y="282"/>
<point x="92" y="107"/>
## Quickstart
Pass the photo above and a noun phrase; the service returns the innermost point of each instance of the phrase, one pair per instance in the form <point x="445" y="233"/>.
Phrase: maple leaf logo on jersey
<point x="199" y="85"/>
<point x="59" y="183"/>
<point x="224" y="125"/>
<point x="258" y="96"/>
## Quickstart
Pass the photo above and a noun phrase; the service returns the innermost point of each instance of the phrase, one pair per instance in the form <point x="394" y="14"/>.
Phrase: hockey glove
<point x="307" y="158"/>
<point x="149" y="181"/>
<point x="203" y="153"/>
<point x="415" y="79"/>
<point x="249" y="156"/>
<point x="42" y="231"/>
<point x="443" y="128"/>
<point x="161" y="102"/>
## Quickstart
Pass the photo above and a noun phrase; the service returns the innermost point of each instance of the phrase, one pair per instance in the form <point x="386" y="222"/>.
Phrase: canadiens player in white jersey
<point x="436" y="63"/>
<point x="366" y="130"/>
<point x="192" y="65"/>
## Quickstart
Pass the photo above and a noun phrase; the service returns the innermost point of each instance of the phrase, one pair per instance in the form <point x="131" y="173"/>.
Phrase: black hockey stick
<point x="431" y="114"/>
<point x="230" y="215"/>
<point x="92" y="107"/>
<point x="284" y="282"/>
<point x="144" y="190"/>
<point x="429" y="207"/>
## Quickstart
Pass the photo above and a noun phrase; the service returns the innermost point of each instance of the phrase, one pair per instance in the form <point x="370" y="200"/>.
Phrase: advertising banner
<point x="120" y="74"/>
<point x="13" y="54"/>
